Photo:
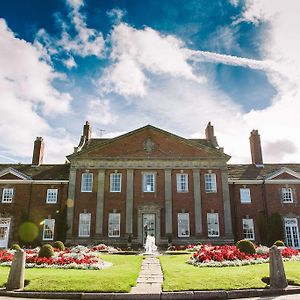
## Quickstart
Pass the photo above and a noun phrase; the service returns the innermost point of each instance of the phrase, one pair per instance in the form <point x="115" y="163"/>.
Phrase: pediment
<point x="149" y="142"/>
<point x="13" y="174"/>
<point x="283" y="174"/>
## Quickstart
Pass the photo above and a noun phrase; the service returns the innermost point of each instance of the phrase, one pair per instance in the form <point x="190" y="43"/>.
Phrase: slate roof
<point x="250" y="171"/>
<point x="42" y="172"/>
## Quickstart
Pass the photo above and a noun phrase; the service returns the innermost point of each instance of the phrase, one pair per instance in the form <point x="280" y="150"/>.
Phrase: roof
<point x="252" y="172"/>
<point x="42" y="172"/>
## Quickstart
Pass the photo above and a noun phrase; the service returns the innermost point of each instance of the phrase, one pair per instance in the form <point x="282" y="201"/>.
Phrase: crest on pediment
<point x="149" y="145"/>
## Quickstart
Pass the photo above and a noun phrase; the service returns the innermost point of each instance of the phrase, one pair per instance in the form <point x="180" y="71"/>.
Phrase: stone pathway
<point x="150" y="278"/>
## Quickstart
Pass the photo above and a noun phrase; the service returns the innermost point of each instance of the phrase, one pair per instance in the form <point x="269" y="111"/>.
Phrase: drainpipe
<point x="264" y="198"/>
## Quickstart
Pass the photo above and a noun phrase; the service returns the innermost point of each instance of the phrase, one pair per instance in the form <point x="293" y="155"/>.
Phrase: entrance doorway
<point x="4" y="232"/>
<point x="291" y="232"/>
<point x="148" y="226"/>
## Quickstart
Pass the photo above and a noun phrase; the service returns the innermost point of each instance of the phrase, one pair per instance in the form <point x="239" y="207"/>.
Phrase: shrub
<point x="279" y="243"/>
<point x="246" y="246"/>
<point x="46" y="251"/>
<point x="16" y="247"/>
<point x="59" y="245"/>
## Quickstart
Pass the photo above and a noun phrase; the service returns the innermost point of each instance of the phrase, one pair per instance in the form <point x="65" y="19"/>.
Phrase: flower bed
<point x="79" y="257"/>
<point x="220" y="256"/>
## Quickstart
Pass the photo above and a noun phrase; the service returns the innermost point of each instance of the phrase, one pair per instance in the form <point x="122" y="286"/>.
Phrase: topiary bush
<point x="16" y="247"/>
<point x="279" y="243"/>
<point x="46" y="251"/>
<point x="59" y="245"/>
<point x="246" y="246"/>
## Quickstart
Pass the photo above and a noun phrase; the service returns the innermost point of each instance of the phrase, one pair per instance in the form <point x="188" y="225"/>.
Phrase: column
<point x="226" y="204"/>
<point x="197" y="202"/>
<point x="129" y="201"/>
<point x="100" y="203"/>
<point x="168" y="202"/>
<point x="71" y="201"/>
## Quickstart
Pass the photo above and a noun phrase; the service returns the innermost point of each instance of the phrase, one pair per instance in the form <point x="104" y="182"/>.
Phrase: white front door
<point x="291" y="232"/>
<point x="148" y="226"/>
<point x="4" y="232"/>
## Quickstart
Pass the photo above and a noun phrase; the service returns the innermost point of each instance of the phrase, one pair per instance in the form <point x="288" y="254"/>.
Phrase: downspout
<point x="265" y="204"/>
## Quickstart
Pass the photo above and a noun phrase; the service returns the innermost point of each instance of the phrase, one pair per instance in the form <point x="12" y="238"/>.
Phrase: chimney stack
<point x="38" y="151"/>
<point x="255" y="147"/>
<point x="210" y="136"/>
<point x="87" y="131"/>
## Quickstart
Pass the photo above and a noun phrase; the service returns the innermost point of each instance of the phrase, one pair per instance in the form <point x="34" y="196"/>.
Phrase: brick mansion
<point x="150" y="181"/>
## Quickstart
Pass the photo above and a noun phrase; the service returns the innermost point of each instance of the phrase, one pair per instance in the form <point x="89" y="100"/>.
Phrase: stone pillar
<point x="197" y="202"/>
<point x="71" y="201"/>
<point x="129" y="202"/>
<point x="277" y="273"/>
<point x="100" y="203"/>
<point x="17" y="271"/>
<point x="226" y="204"/>
<point x="168" y="202"/>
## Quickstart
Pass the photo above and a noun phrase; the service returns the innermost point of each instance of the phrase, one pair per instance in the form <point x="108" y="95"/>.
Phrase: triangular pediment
<point x="13" y="174"/>
<point x="283" y="174"/>
<point x="149" y="142"/>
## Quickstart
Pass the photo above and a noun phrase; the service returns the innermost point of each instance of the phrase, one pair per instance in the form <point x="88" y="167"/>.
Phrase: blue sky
<point x="172" y="64"/>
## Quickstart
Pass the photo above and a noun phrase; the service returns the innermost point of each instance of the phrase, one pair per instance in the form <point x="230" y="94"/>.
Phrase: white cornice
<point x="14" y="172"/>
<point x="18" y="181"/>
<point x="281" y="171"/>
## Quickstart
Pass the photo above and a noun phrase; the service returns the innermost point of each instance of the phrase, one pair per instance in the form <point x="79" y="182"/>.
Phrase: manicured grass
<point x="180" y="276"/>
<point x="118" y="278"/>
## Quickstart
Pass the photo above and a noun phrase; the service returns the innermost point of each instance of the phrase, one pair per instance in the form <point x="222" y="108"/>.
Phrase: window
<point x="182" y="183"/>
<point x="210" y="183"/>
<point x="291" y="232"/>
<point x="51" y="196"/>
<point x="114" y="225"/>
<point x="287" y="195"/>
<point x="213" y="224"/>
<point x="183" y="224"/>
<point x="148" y="182"/>
<point x="48" y="230"/>
<point x="248" y="229"/>
<point x="115" y="182"/>
<point x="84" y="225"/>
<point x="245" y="195"/>
<point x="7" y="195"/>
<point x="87" y="182"/>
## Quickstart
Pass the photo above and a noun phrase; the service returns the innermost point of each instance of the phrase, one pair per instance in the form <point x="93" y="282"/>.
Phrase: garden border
<point x="185" y="295"/>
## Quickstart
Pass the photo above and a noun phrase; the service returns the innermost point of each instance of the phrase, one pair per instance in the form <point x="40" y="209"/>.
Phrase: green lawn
<point x="118" y="278"/>
<point x="180" y="276"/>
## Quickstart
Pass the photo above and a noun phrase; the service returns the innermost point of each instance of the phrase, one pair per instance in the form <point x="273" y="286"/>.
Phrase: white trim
<point x="111" y="180"/>
<point x="217" y="223"/>
<point x="144" y="174"/>
<point x="50" y="191"/>
<point x="52" y="228"/>
<point x="18" y="181"/>
<point x="281" y="171"/>
<point x="119" y="224"/>
<point x="15" y="172"/>
<point x="89" y="217"/>
<point x="245" y="181"/>
<point x="187" y="215"/>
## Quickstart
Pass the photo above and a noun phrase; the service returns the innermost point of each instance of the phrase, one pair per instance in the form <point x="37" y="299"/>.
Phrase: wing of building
<point x="148" y="181"/>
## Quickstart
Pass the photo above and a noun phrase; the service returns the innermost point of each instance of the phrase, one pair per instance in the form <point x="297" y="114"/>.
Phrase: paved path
<point x="150" y="277"/>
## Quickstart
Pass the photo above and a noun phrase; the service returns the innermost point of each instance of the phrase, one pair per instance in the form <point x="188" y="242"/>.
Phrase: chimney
<point x="255" y="147"/>
<point x="38" y="151"/>
<point x="210" y="136"/>
<point x="87" y="131"/>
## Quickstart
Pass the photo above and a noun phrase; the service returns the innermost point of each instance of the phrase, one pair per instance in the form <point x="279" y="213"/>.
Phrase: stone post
<point x="277" y="273"/>
<point x="168" y="202"/>
<point x="17" y="271"/>
<point x="197" y="203"/>
<point x="100" y="203"/>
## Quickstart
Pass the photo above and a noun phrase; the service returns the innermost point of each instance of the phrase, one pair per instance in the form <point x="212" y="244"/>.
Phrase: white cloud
<point x="27" y="95"/>
<point x="100" y="112"/>
<point x="70" y="62"/>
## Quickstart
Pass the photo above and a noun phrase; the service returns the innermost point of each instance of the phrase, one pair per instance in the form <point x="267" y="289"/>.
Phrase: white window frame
<point x="210" y="180"/>
<point x="84" y="229"/>
<point x="182" y="180"/>
<point x="149" y="188"/>
<point x="7" y="195"/>
<point x="86" y="187"/>
<point x="51" y="196"/>
<point x="183" y="224"/>
<point x="292" y="234"/>
<point x="287" y="195"/>
<point x="248" y="229"/>
<point x="111" y="224"/>
<point x="112" y="182"/>
<point x="245" y="195"/>
<point x="216" y="229"/>
<point x="50" y="223"/>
